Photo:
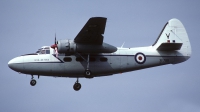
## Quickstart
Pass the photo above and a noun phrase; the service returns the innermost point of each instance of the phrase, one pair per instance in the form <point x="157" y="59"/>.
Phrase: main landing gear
<point x="88" y="73"/>
<point x="33" y="81"/>
<point x="77" y="85"/>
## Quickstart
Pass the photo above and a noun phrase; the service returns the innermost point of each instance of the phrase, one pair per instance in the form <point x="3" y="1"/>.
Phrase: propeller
<point x="55" y="39"/>
<point x="55" y="45"/>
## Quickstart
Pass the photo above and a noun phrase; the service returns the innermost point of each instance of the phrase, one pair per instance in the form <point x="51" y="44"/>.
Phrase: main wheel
<point x="77" y="86"/>
<point x="88" y="74"/>
<point x="33" y="82"/>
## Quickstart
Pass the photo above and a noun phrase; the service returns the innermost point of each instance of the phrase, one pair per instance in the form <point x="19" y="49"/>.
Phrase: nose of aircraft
<point x="16" y="64"/>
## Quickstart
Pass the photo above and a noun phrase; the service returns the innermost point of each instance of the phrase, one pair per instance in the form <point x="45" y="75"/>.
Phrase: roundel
<point x="140" y="58"/>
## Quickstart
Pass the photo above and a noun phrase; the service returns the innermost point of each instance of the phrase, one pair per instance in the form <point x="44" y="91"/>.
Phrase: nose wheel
<point x="33" y="81"/>
<point x="77" y="86"/>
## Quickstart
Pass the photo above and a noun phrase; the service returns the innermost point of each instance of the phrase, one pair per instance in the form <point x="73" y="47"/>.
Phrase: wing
<point x="92" y="32"/>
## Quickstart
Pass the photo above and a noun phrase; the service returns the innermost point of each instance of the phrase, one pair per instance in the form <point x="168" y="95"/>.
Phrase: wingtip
<point x="98" y="18"/>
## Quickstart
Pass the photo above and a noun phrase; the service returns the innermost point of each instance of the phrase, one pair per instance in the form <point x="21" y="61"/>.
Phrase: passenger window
<point x="92" y="59"/>
<point x="103" y="59"/>
<point x="79" y="59"/>
<point x="67" y="59"/>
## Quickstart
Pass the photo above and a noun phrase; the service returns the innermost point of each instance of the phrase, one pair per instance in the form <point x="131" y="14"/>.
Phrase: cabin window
<point x="79" y="59"/>
<point x="67" y="59"/>
<point x="92" y="59"/>
<point x="103" y="59"/>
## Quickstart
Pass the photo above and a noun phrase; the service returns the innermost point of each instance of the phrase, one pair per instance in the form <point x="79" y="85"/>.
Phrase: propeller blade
<point x="55" y="45"/>
<point x="55" y="38"/>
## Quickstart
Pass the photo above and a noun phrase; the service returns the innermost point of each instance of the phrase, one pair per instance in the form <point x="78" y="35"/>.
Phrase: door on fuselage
<point x="103" y="65"/>
<point x="44" y="58"/>
<point x="123" y="60"/>
<point x="119" y="61"/>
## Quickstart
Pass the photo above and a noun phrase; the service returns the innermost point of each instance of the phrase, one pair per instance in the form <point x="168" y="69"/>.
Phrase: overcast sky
<point x="26" y="25"/>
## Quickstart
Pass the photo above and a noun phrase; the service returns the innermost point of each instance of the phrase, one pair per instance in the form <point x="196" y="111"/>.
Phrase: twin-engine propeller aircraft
<point x="88" y="56"/>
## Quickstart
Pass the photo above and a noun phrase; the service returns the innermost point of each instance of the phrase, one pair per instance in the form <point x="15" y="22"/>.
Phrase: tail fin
<point x="173" y="37"/>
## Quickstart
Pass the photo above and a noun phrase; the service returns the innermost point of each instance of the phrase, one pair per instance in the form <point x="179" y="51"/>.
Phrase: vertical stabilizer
<point x="174" y="37"/>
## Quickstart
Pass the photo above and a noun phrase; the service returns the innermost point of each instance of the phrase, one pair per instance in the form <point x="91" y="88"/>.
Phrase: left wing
<point x="92" y="32"/>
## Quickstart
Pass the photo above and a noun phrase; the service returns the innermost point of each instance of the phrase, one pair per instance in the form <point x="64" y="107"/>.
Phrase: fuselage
<point x="104" y="64"/>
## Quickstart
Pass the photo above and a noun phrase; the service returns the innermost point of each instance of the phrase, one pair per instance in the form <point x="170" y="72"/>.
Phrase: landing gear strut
<point x="88" y="73"/>
<point x="77" y="85"/>
<point x="33" y="81"/>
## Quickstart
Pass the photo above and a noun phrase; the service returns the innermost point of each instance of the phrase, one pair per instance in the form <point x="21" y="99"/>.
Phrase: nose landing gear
<point x="77" y="86"/>
<point x="33" y="81"/>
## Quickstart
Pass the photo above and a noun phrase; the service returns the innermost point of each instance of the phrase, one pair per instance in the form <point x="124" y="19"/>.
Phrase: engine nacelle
<point x="66" y="46"/>
<point x="69" y="46"/>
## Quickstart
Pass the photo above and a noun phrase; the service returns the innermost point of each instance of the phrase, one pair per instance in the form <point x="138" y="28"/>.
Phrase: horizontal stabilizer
<point x="169" y="46"/>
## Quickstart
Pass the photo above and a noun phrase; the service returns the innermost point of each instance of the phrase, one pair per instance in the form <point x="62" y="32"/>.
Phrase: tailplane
<point x="173" y="37"/>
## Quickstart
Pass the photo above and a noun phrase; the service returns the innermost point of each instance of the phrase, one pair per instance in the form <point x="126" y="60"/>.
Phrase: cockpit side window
<point x="47" y="51"/>
<point x="42" y="52"/>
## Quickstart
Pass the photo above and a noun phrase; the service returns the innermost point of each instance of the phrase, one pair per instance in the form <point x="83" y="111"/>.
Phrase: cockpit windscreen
<point x="45" y="50"/>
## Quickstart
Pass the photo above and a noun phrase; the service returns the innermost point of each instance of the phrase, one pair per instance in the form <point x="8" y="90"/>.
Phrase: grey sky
<point x="26" y="25"/>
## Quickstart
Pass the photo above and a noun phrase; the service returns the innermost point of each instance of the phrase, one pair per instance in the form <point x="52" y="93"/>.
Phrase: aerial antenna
<point x="122" y="45"/>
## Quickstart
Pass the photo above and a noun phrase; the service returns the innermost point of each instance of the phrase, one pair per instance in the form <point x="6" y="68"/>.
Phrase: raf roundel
<point x="140" y="58"/>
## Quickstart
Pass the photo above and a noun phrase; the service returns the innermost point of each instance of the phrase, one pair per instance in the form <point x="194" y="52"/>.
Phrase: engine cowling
<point x="66" y="46"/>
<point x="69" y="46"/>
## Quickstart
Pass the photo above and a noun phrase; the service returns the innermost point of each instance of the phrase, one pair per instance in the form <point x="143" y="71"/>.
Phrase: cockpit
<point x="44" y="50"/>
